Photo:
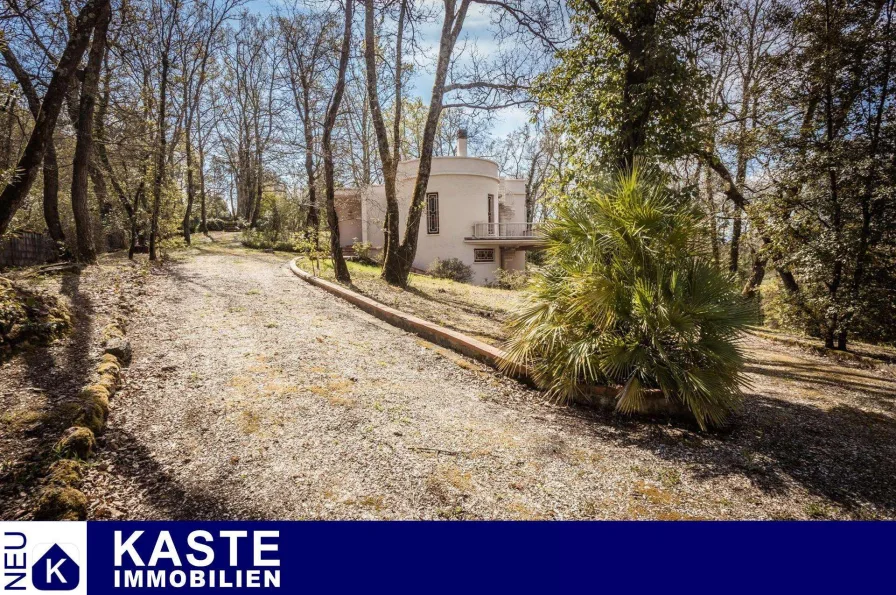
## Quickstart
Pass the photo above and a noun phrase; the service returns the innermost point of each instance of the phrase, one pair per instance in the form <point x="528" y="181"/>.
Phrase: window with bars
<point x="484" y="255"/>
<point x="491" y="208"/>
<point x="432" y="213"/>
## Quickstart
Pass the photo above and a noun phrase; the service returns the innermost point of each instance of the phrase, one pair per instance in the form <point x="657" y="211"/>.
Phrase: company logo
<point x="57" y="569"/>
<point x="241" y="559"/>
<point x="39" y="557"/>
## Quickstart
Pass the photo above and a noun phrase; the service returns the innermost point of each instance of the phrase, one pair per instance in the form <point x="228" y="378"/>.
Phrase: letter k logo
<point x="55" y="571"/>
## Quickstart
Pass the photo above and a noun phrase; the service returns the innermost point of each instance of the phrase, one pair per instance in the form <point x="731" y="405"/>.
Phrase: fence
<point x="506" y="230"/>
<point x="27" y="248"/>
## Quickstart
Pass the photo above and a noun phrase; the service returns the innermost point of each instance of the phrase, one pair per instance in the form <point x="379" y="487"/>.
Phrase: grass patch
<point x="473" y="310"/>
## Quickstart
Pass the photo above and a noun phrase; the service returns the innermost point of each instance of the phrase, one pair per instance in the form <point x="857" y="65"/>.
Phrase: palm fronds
<point x="628" y="298"/>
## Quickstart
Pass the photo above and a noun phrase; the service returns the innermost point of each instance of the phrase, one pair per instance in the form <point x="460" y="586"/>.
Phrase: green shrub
<point x="215" y="224"/>
<point x="628" y="297"/>
<point x="262" y="240"/>
<point x="363" y="250"/>
<point x="507" y="279"/>
<point x="451" y="268"/>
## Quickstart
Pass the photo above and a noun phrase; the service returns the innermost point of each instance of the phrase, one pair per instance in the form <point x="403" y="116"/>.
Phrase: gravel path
<point x="255" y="395"/>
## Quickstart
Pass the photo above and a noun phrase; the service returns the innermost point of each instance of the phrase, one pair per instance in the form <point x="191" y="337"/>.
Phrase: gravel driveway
<point x="255" y="395"/>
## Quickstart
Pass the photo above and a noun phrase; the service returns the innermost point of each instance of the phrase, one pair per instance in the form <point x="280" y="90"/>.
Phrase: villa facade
<point x="471" y="213"/>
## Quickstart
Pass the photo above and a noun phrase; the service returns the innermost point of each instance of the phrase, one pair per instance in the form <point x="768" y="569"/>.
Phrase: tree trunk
<point x="159" y="177"/>
<point x="86" y="251"/>
<point x="16" y="191"/>
<point x="713" y="224"/>
<point x="191" y="192"/>
<point x="51" y="195"/>
<point x="7" y="134"/>
<point x="339" y="266"/>
<point x="734" y="249"/>
<point x="203" y="227"/>
<point x="389" y="159"/>
<point x="50" y="167"/>
<point x="757" y="274"/>
<point x="397" y="271"/>
<point x="639" y="69"/>
<point x="312" y="222"/>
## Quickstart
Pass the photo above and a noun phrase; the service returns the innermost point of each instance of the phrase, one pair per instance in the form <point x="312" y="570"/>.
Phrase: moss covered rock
<point x="57" y="503"/>
<point x="108" y="368"/>
<point x="109" y="382"/>
<point x="96" y="394"/>
<point x="111" y="372"/>
<point x="120" y="348"/>
<point x="78" y="442"/>
<point x="112" y="331"/>
<point x="93" y="417"/>
<point x="29" y="317"/>
<point x="108" y="358"/>
<point x="66" y="472"/>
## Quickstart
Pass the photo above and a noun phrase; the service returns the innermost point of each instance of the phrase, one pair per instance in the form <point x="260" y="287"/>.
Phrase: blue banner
<point x="424" y="557"/>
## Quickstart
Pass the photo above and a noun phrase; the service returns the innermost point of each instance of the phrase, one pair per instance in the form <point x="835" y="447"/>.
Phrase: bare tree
<point x="15" y="192"/>
<point x="50" y="166"/>
<point x="86" y="251"/>
<point x="339" y="266"/>
<point x="308" y="38"/>
<point x="167" y="13"/>
<point x="477" y="83"/>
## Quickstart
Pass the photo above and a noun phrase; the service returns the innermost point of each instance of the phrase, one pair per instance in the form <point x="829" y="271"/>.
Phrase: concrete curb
<point x="439" y="335"/>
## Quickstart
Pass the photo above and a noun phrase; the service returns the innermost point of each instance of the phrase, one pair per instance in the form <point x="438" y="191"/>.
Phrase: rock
<point x="112" y="331"/>
<point x="109" y="382"/>
<point x="120" y="348"/>
<point x="108" y="368"/>
<point x="66" y="472"/>
<point x="108" y="358"/>
<point x="61" y="504"/>
<point x="96" y="394"/>
<point x="92" y="417"/>
<point x="76" y="442"/>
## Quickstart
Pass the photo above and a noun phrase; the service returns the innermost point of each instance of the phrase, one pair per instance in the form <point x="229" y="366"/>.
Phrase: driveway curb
<point x="439" y="335"/>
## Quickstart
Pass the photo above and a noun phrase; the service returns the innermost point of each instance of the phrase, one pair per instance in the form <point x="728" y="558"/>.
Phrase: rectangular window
<point x="432" y="213"/>
<point x="484" y="255"/>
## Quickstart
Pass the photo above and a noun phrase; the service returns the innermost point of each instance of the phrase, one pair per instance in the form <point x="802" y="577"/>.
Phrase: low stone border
<point x="61" y="498"/>
<point x="598" y="396"/>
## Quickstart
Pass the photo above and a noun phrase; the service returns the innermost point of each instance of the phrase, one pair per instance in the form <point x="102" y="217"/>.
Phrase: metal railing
<point x="526" y="229"/>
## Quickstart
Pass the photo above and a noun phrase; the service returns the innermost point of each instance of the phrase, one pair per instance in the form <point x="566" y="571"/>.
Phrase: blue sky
<point x="476" y="31"/>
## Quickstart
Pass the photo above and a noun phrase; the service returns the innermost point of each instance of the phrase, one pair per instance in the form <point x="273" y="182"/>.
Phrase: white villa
<point x="471" y="213"/>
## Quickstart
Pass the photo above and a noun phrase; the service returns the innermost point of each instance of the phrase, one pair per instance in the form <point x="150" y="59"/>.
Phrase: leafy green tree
<point x="630" y="84"/>
<point x="629" y="297"/>
<point x="832" y="215"/>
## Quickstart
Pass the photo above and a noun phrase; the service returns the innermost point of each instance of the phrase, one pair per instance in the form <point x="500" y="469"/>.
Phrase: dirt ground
<point x="37" y="386"/>
<point x="255" y="395"/>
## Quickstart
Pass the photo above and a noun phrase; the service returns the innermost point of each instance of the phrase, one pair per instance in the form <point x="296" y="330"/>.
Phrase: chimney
<point x="462" y="142"/>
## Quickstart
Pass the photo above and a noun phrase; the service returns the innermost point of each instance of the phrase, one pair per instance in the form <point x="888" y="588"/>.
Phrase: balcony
<point x="523" y="234"/>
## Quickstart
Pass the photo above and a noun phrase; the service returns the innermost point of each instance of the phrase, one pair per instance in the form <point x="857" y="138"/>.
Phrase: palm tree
<point x="628" y="297"/>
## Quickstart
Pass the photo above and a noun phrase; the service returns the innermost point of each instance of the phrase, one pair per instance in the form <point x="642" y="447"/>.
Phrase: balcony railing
<point x="506" y="230"/>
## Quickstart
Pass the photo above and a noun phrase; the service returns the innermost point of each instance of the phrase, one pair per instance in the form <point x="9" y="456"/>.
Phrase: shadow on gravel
<point x="880" y="389"/>
<point x="135" y="465"/>
<point x="843" y="454"/>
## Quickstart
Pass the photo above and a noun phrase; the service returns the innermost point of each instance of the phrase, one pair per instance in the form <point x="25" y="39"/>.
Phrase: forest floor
<point x="253" y="394"/>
